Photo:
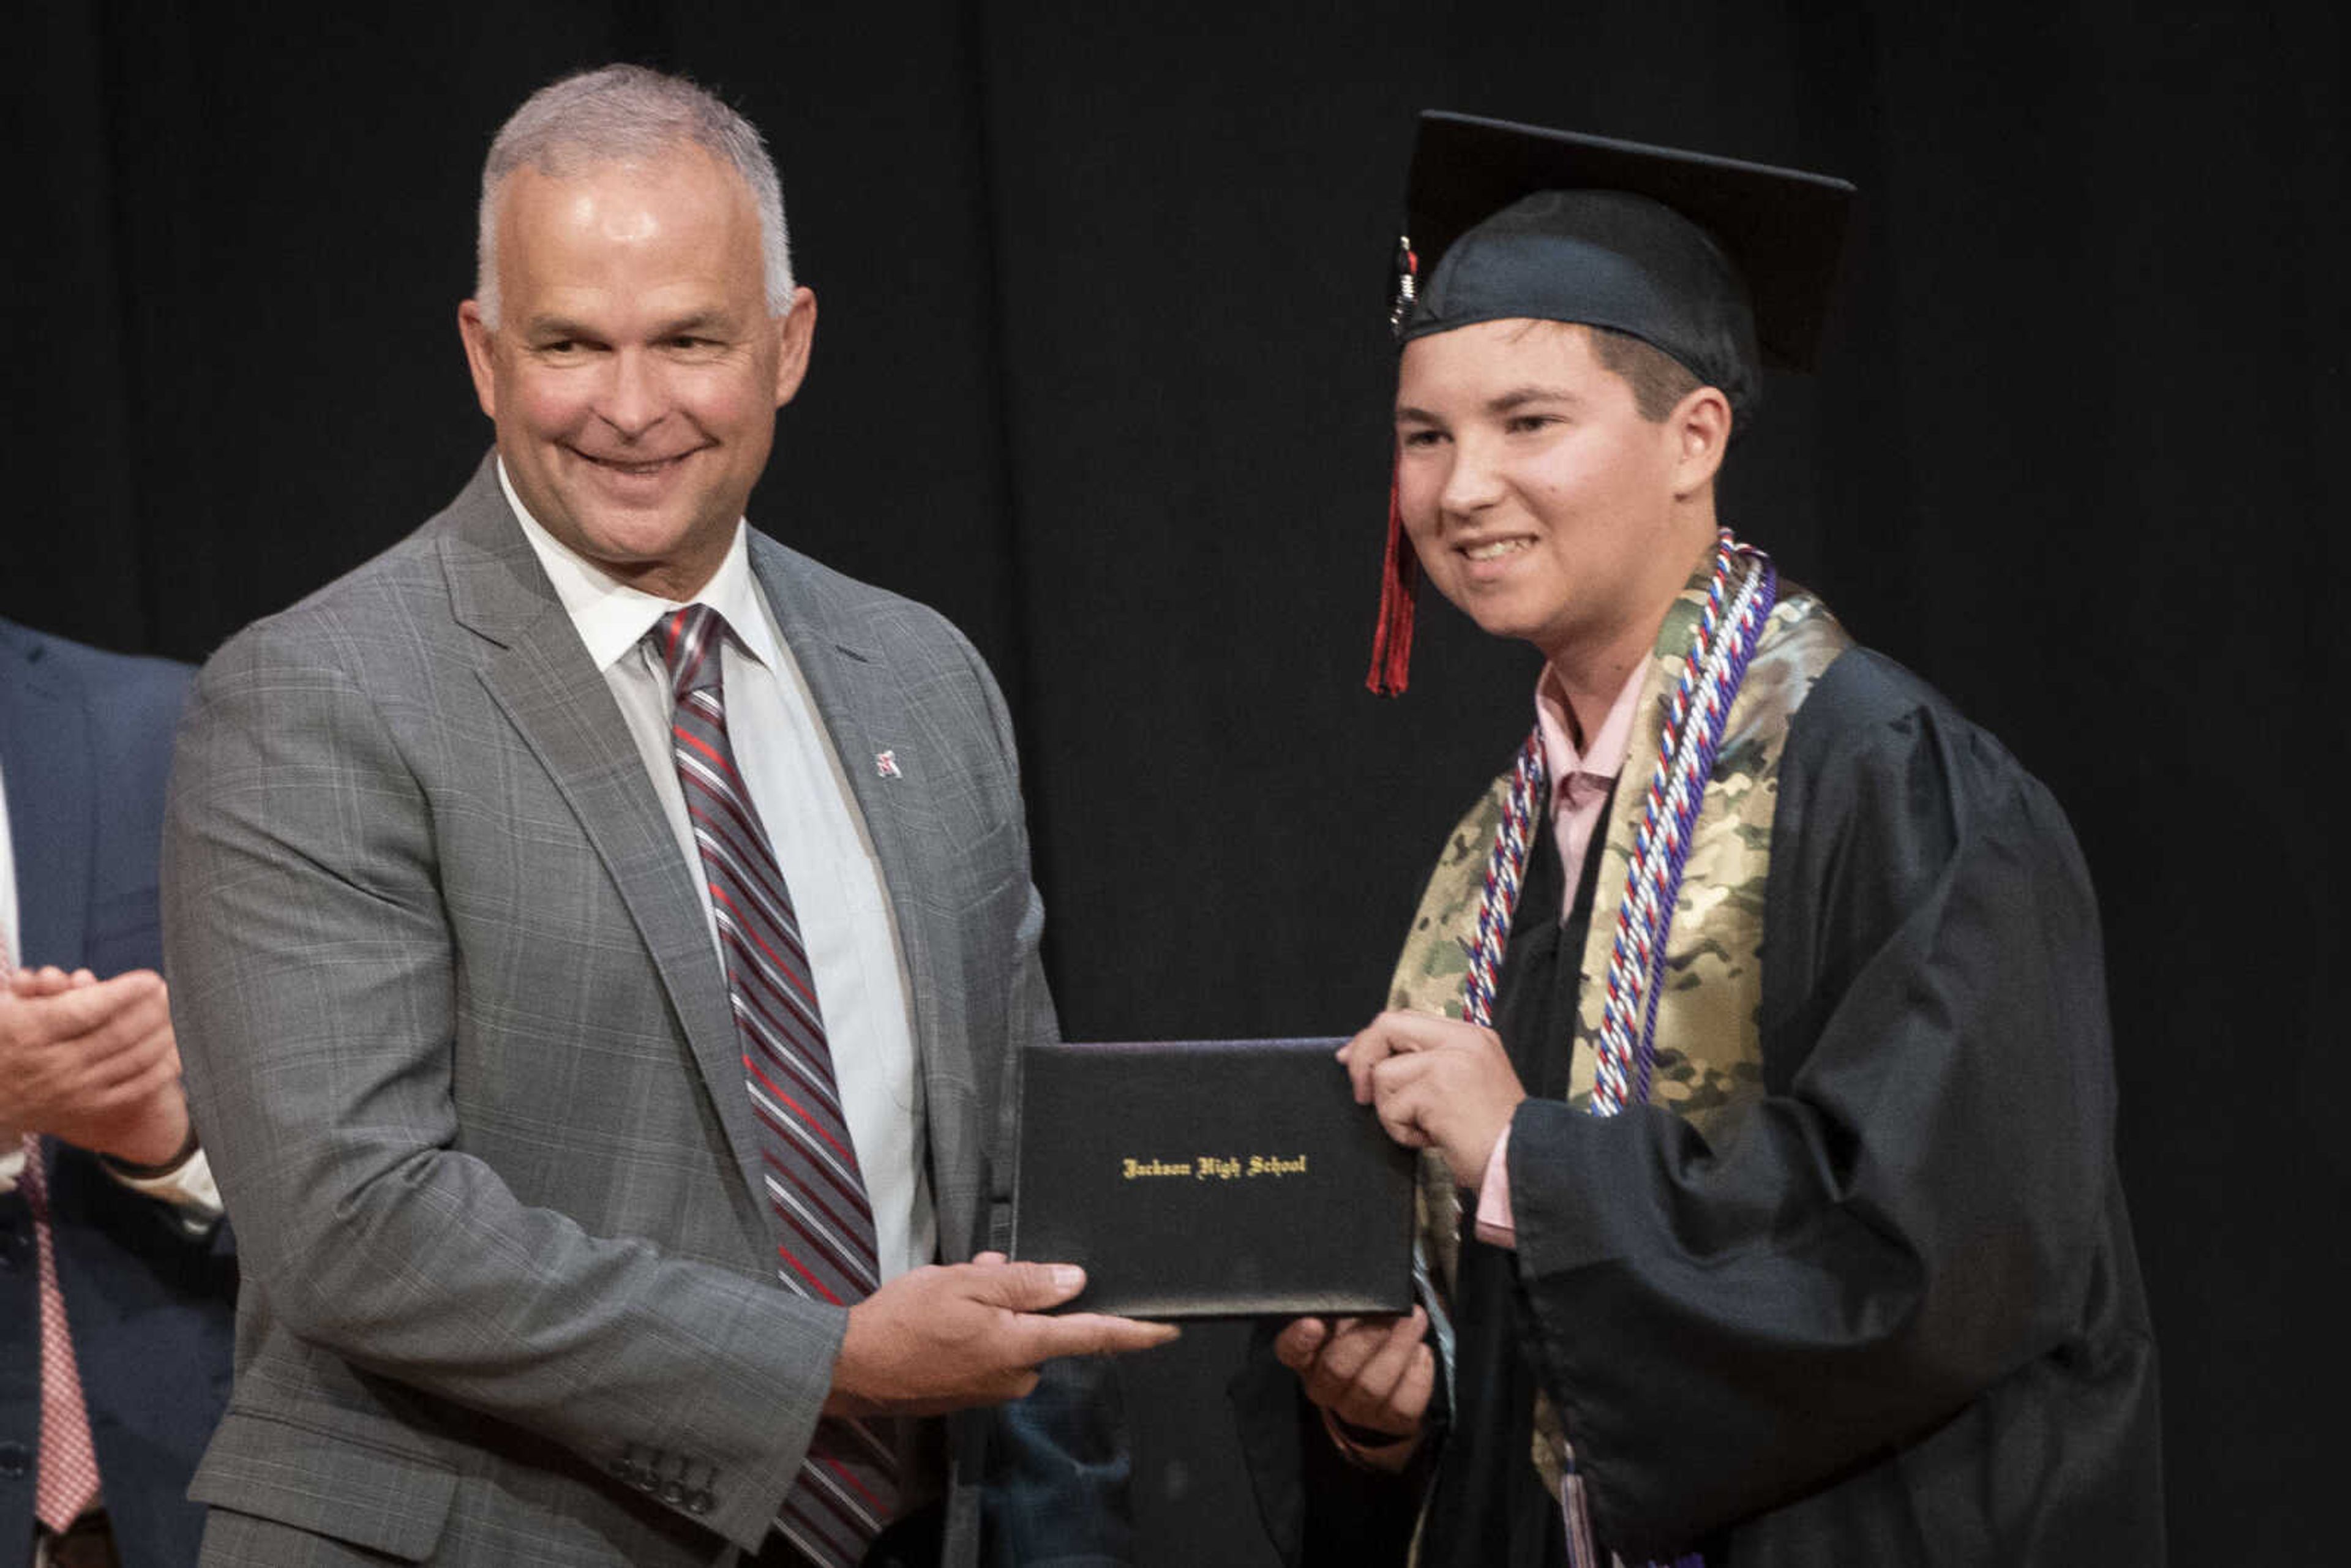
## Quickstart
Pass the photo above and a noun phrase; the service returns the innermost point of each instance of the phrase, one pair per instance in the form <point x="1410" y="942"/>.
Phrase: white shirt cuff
<point x="187" y="1186"/>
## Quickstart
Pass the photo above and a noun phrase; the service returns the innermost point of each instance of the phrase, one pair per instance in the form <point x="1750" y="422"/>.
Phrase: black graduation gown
<point x="1893" y="1315"/>
<point x="1490" y="1505"/>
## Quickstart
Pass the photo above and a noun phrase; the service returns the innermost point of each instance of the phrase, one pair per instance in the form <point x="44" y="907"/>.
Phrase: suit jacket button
<point x="698" y="1500"/>
<point x="16" y="1249"/>
<point x="15" y="1460"/>
<point x="672" y="1492"/>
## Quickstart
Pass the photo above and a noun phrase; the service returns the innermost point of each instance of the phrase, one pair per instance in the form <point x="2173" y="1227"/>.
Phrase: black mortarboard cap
<point x="1705" y="258"/>
<point x="1721" y="265"/>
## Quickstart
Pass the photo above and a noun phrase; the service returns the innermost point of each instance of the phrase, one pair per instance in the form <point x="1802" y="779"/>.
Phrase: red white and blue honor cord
<point x="1739" y="595"/>
<point x="1712" y="668"/>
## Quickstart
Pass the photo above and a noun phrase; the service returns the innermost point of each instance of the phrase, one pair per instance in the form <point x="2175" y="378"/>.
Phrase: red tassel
<point x="1399" y="581"/>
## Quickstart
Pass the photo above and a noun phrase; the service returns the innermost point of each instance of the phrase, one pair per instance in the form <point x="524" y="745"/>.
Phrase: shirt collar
<point x="612" y="618"/>
<point x="1604" y="756"/>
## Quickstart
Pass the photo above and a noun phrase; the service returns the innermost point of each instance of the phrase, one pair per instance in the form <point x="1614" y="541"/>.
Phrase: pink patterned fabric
<point x="1582" y="778"/>
<point x="68" y="1476"/>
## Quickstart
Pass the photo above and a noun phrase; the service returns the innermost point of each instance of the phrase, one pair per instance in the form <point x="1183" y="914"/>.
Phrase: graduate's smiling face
<point x="634" y="370"/>
<point x="1541" y="501"/>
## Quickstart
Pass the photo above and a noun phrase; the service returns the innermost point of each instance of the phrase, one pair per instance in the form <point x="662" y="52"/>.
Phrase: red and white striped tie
<point x="848" y="1484"/>
<point x="68" y="1474"/>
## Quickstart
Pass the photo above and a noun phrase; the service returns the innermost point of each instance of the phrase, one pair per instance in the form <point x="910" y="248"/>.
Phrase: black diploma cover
<point x="1211" y="1178"/>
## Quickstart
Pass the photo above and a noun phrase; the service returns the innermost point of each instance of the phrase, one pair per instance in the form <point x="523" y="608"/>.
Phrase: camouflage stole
<point x="1709" y="1059"/>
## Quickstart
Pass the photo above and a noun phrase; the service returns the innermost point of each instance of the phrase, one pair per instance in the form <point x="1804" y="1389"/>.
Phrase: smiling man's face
<point x="634" y="373"/>
<point x="1541" y="501"/>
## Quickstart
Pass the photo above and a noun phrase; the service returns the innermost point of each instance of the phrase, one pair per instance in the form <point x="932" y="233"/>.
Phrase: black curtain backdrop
<point x="1102" y="372"/>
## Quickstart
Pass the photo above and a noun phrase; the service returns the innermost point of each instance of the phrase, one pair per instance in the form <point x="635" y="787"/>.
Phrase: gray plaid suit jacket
<point x="464" y="1058"/>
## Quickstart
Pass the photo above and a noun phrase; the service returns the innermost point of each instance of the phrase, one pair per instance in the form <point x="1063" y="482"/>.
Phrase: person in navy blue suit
<point x="88" y="1063"/>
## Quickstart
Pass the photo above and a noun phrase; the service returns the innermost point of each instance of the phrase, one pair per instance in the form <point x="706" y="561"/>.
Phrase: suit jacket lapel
<point x="863" y="709"/>
<point x="52" y="799"/>
<point x="541" y="675"/>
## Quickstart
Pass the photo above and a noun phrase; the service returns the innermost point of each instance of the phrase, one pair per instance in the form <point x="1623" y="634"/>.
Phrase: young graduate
<point x="1753" y="1022"/>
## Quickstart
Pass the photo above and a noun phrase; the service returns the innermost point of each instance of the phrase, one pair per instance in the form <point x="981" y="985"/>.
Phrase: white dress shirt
<point x="819" y="835"/>
<point x="188" y="1185"/>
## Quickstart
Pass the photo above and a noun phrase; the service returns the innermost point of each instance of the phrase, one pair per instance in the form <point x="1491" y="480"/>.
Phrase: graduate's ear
<point x="1700" y="428"/>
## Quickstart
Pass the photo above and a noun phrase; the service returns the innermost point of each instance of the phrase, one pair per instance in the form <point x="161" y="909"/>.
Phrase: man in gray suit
<point x="596" y="1055"/>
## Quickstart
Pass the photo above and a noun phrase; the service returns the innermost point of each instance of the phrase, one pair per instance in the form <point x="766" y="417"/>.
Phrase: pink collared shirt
<point x="1580" y="784"/>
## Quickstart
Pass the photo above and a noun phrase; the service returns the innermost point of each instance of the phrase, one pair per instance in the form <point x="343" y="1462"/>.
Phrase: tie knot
<point x="687" y="641"/>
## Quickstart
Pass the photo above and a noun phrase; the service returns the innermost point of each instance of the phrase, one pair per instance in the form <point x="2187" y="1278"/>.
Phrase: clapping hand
<point x="92" y="1063"/>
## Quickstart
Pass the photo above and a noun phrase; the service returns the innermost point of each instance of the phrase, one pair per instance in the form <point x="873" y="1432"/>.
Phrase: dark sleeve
<point x="1911" y="1211"/>
<point x="134" y="706"/>
<point x="1056" y="1492"/>
<point x="132" y="709"/>
<point x="1318" y="1509"/>
<point x="1058" y="1471"/>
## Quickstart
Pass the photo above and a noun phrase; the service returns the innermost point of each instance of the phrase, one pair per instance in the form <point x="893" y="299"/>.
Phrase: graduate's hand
<point x="1437" y="1083"/>
<point x="946" y="1337"/>
<point x="1374" y="1373"/>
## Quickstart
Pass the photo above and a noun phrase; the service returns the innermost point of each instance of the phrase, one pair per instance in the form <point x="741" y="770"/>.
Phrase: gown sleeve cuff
<point x="1379" y="1451"/>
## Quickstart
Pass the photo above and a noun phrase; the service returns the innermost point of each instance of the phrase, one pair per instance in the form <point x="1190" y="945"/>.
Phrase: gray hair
<point x="627" y="113"/>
